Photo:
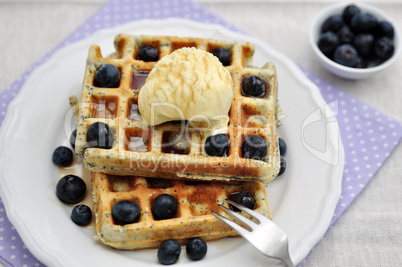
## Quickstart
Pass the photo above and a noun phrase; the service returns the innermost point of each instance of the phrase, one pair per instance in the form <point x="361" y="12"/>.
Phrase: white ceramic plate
<point x="302" y="201"/>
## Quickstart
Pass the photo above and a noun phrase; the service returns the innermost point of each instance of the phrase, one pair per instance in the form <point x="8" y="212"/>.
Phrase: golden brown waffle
<point x="194" y="217"/>
<point x="113" y="106"/>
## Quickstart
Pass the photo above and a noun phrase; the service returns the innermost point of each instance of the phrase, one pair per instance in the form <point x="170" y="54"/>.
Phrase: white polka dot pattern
<point x="368" y="135"/>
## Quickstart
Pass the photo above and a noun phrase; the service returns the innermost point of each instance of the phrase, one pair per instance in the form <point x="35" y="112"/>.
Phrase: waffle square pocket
<point x="175" y="149"/>
<point x="194" y="218"/>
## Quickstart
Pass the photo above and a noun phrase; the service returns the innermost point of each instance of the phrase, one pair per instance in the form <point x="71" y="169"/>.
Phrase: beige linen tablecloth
<point x="369" y="233"/>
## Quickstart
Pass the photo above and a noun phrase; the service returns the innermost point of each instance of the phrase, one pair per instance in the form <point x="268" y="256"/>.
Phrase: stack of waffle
<point x="197" y="181"/>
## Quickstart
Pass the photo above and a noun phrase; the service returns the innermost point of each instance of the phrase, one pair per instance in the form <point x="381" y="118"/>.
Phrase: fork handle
<point x="287" y="261"/>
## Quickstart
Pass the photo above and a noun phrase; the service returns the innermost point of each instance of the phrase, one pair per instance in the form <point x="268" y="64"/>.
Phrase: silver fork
<point x="266" y="236"/>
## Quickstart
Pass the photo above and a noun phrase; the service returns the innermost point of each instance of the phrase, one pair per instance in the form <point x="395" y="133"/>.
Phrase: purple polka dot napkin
<point x="368" y="135"/>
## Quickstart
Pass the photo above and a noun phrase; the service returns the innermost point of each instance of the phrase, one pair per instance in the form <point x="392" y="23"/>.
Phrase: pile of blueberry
<point x="71" y="189"/>
<point x="163" y="207"/>
<point x="108" y="75"/>
<point x="356" y="39"/>
<point x="169" y="251"/>
<point x="254" y="147"/>
<point x="126" y="211"/>
<point x="149" y="53"/>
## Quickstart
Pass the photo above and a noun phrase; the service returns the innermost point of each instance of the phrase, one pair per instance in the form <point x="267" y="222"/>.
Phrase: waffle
<point x="116" y="107"/>
<point x="194" y="217"/>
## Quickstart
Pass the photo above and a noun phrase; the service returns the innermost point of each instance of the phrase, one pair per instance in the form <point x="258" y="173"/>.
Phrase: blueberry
<point x="217" y="145"/>
<point x="222" y="54"/>
<point x="196" y="249"/>
<point x="254" y="147"/>
<point x="73" y="136"/>
<point x="169" y="252"/>
<point x="327" y="43"/>
<point x="107" y="76"/>
<point x="253" y="86"/>
<point x="125" y="212"/>
<point x="383" y="48"/>
<point x="362" y="63"/>
<point x="363" y="22"/>
<point x="345" y="35"/>
<point x="332" y="23"/>
<point x="384" y="29"/>
<point x="164" y="207"/>
<point x="244" y="198"/>
<point x="346" y="55"/>
<point x="349" y="12"/>
<point x="363" y="43"/>
<point x="282" y="147"/>
<point x="81" y="215"/>
<point x="71" y="189"/>
<point x="99" y="135"/>
<point x="283" y="166"/>
<point x="148" y="53"/>
<point x="62" y="156"/>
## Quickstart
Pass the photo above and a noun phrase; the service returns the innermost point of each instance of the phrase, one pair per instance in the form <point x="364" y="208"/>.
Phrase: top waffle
<point x="145" y="151"/>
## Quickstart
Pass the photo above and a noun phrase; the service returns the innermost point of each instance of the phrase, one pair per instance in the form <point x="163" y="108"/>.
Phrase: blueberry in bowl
<point x="384" y="28"/>
<point x="328" y="42"/>
<point x="372" y="34"/>
<point x="332" y="24"/>
<point x="349" y="12"/>
<point x="345" y="35"/>
<point x="346" y="55"/>
<point x="383" y="48"/>
<point x="363" y="22"/>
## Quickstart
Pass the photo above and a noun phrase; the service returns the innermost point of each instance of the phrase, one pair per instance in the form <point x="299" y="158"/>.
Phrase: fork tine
<point x="265" y="236"/>
<point x="259" y="217"/>
<point x="250" y="224"/>
<point x="243" y="232"/>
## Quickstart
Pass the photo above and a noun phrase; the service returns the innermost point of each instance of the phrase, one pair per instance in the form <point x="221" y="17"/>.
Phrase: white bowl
<point x="338" y="69"/>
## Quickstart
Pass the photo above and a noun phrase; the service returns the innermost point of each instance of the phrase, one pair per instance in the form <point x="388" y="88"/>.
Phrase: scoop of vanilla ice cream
<point x="189" y="84"/>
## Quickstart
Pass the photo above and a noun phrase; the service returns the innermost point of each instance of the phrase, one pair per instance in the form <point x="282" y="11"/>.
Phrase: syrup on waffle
<point x="194" y="218"/>
<point x="141" y="150"/>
